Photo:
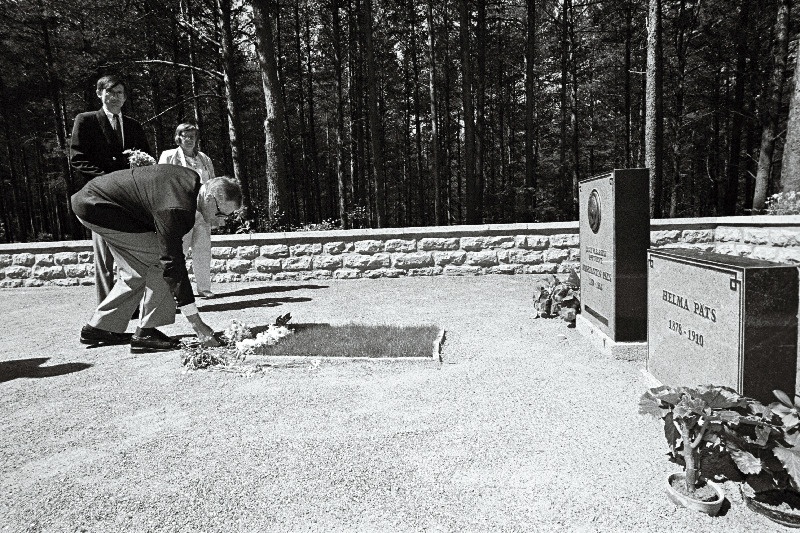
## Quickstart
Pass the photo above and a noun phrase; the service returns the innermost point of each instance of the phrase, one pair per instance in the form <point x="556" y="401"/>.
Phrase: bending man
<point x="143" y="214"/>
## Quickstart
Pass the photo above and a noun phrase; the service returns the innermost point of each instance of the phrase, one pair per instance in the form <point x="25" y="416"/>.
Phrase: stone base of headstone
<point x="625" y="351"/>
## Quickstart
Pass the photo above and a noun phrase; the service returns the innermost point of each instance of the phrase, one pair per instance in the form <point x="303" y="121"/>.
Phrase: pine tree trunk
<point x="438" y="207"/>
<point x="274" y="121"/>
<point x="374" y="117"/>
<point x="737" y="122"/>
<point x="470" y="182"/>
<point x="654" y="128"/>
<point x="790" y="169"/>
<point x="530" y="113"/>
<point x="338" y="67"/>
<point x="768" y="134"/>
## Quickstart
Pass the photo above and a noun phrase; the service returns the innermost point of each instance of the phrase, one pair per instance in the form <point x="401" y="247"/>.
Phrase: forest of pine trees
<point x="388" y="113"/>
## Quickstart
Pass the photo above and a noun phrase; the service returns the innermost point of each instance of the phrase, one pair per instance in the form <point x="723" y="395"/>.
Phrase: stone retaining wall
<point x="550" y="248"/>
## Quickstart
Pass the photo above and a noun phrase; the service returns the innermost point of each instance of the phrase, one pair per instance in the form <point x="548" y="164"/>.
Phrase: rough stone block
<point x="505" y="269"/>
<point x="257" y="276"/>
<point x="68" y="282"/>
<point x="18" y="272"/>
<point x="10" y="283"/>
<point x="33" y="283"/>
<point x="778" y="237"/>
<point x="86" y="281"/>
<point x="368" y="246"/>
<point x="697" y="236"/>
<point x="275" y="250"/>
<point x="44" y="260"/>
<point x="574" y="254"/>
<point x="65" y="258"/>
<point x="226" y="277"/>
<point x="23" y="259"/>
<point x="218" y="266"/>
<point x="297" y="263"/>
<point x="86" y="257"/>
<point x="287" y="276"/>
<point x="75" y="271"/>
<point x="347" y="273"/>
<point x="755" y="235"/>
<point x="473" y="244"/>
<point x="306" y="249"/>
<point x="239" y="266"/>
<point x="505" y="241"/>
<point x="521" y="241"/>
<point x="5" y="260"/>
<point x="567" y="267"/>
<point x="727" y="234"/>
<point x="538" y="242"/>
<point x="265" y="265"/>
<point x="455" y="257"/>
<point x="327" y="262"/>
<point x="430" y="244"/>
<point x="544" y="268"/>
<point x="484" y="258"/>
<point x="223" y="252"/>
<point x="337" y="247"/>
<point x="733" y="248"/>
<point x="367" y="262"/>
<point x="428" y="271"/>
<point x="248" y="252"/>
<point x="451" y="270"/>
<point x="567" y="240"/>
<point x="400" y="245"/>
<point x="413" y="260"/>
<point x="523" y="257"/>
<point x="555" y="255"/>
<point x="321" y="274"/>
<point x="382" y="273"/>
<point x="660" y="238"/>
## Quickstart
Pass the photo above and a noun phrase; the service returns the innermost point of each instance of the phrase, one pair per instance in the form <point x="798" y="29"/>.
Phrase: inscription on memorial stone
<point x="615" y="234"/>
<point x="722" y="320"/>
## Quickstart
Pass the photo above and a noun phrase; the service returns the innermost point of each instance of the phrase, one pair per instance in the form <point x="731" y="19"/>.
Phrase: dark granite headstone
<point x="615" y="235"/>
<point x="722" y="320"/>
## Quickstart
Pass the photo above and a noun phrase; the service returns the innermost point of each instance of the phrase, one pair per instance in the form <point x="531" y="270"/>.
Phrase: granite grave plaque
<point x="722" y="320"/>
<point x="614" y="237"/>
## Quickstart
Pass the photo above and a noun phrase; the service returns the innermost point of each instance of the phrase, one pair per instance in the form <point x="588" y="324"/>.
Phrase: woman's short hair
<point x="230" y="188"/>
<point x="184" y="127"/>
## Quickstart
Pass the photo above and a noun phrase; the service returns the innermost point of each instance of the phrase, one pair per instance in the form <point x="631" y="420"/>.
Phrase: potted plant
<point x="693" y="419"/>
<point x="766" y="449"/>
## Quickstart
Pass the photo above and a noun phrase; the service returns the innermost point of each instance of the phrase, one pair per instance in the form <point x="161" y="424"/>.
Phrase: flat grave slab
<point x="723" y="320"/>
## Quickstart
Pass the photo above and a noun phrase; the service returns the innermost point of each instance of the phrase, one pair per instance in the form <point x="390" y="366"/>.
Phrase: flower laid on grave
<point x="137" y="158"/>
<point x="239" y="343"/>
<point x="553" y="298"/>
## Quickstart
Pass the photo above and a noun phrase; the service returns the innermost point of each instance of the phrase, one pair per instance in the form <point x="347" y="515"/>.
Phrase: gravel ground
<point x="523" y="427"/>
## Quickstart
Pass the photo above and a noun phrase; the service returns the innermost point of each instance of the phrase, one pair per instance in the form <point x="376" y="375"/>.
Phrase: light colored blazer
<point x="202" y="166"/>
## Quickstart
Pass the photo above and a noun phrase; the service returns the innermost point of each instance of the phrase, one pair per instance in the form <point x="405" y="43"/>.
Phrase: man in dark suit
<point x="98" y="140"/>
<point x="143" y="214"/>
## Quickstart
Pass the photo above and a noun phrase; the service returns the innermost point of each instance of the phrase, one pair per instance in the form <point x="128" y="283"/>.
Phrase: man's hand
<point x="204" y="332"/>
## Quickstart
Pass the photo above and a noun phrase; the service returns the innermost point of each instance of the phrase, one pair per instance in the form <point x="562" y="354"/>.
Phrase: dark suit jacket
<point x="95" y="149"/>
<point x="157" y="198"/>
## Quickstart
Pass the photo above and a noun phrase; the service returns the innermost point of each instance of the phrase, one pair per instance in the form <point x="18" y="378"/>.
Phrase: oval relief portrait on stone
<point x="593" y="211"/>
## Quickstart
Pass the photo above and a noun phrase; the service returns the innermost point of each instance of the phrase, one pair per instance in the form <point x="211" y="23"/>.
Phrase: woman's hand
<point x="204" y="332"/>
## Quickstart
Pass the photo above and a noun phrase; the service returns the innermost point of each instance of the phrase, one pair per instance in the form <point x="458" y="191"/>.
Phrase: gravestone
<point x="614" y="237"/>
<point x="722" y="320"/>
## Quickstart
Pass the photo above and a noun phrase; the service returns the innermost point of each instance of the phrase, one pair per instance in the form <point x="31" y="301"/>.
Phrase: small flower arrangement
<point x="268" y="337"/>
<point x="137" y="158"/>
<point x="784" y="203"/>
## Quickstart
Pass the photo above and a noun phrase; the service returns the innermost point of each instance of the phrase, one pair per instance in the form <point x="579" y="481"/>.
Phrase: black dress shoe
<point x="92" y="335"/>
<point x="151" y="340"/>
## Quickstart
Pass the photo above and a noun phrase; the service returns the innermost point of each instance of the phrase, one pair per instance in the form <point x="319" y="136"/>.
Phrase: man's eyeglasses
<point x="219" y="213"/>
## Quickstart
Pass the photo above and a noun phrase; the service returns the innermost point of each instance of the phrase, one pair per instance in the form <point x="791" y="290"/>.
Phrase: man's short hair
<point x="230" y="188"/>
<point x="112" y="80"/>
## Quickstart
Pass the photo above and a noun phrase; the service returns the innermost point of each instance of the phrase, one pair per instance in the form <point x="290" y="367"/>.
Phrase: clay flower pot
<point x="679" y="498"/>
<point x="775" y="505"/>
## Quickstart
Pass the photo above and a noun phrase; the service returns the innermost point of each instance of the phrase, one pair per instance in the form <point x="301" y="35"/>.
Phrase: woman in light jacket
<point x="199" y="239"/>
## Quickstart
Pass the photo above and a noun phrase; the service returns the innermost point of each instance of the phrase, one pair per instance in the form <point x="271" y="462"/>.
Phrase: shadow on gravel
<point x="252" y="291"/>
<point x="246" y="304"/>
<point x="31" y="368"/>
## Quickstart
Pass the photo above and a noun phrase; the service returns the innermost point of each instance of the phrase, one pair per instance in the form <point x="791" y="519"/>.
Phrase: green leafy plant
<point x="767" y="448"/>
<point x="694" y="419"/>
<point x="783" y="203"/>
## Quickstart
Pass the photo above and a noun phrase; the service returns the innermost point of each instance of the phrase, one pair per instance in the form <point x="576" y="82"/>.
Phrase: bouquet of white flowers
<point x="137" y="158"/>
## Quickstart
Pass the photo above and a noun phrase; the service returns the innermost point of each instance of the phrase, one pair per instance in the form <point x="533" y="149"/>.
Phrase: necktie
<point x="118" y="129"/>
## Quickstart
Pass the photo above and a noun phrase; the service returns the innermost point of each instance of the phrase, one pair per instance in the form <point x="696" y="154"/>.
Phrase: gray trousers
<point x="141" y="280"/>
<point x="103" y="267"/>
